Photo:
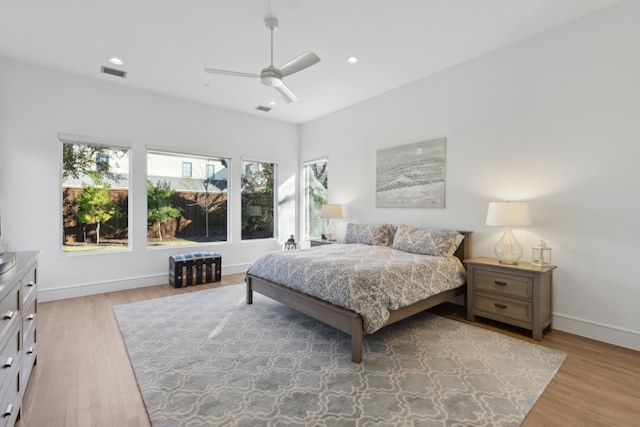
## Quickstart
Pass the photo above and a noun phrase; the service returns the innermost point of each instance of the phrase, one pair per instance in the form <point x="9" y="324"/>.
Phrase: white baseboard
<point x="81" y="290"/>
<point x="597" y="331"/>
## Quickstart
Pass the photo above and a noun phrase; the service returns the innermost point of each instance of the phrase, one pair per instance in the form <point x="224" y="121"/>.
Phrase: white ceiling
<point x="165" y="44"/>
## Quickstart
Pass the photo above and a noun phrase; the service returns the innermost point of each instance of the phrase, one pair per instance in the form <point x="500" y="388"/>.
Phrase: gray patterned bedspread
<point x="369" y="280"/>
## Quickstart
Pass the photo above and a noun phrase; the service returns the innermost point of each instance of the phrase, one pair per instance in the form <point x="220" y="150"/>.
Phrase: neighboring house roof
<point x="217" y="182"/>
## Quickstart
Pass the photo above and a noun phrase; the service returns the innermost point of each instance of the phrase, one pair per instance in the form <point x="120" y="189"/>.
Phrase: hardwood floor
<point x="83" y="376"/>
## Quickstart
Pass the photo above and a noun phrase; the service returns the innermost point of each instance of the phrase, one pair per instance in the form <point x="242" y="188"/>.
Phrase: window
<point x="258" y="200"/>
<point x="186" y="209"/>
<point x="315" y="189"/>
<point x="186" y="169"/>
<point x="102" y="162"/>
<point x="95" y="196"/>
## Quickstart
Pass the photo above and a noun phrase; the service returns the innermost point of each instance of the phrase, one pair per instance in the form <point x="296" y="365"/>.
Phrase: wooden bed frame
<point x="346" y="320"/>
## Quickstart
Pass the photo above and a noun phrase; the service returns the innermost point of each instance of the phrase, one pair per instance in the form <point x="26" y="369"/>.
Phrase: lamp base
<point x="508" y="250"/>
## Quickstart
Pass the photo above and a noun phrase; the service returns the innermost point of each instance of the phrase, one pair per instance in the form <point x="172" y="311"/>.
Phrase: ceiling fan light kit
<point x="272" y="76"/>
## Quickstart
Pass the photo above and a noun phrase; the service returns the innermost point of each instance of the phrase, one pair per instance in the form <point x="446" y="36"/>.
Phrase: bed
<point x="382" y="274"/>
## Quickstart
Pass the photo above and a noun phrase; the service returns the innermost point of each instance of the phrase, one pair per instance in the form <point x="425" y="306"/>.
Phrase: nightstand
<point x="323" y="242"/>
<point x="519" y="295"/>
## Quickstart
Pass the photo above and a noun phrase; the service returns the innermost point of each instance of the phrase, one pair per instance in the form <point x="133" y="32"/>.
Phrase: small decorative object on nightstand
<point x="519" y="295"/>
<point x="541" y="254"/>
<point x="290" y="244"/>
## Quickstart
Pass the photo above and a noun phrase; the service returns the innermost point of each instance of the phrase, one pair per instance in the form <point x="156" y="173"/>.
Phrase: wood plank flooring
<point x="83" y="376"/>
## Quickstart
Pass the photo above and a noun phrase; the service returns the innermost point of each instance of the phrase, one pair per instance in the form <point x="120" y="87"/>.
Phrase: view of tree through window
<point x="95" y="197"/>
<point x="316" y="185"/>
<point x="186" y="199"/>
<point x="258" y="198"/>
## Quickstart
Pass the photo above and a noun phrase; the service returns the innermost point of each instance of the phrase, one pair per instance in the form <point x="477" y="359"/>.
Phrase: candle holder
<point x="541" y="254"/>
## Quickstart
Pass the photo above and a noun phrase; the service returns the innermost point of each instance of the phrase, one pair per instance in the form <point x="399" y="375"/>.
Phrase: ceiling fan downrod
<point x="270" y="76"/>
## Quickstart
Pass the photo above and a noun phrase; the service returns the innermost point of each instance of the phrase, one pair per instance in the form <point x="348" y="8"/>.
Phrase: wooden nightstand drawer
<point x="323" y="242"/>
<point x="504" y="284"/>
<point x="507" y="307"/>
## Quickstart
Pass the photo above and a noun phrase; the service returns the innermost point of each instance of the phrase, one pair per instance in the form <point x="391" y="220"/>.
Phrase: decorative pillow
<point x="424" y="241"/>
<point x="455" y="244"/>
<point x="377" y="235"/>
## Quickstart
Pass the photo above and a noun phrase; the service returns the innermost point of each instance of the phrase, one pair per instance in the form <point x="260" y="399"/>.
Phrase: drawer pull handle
<point x="8" y="315"/>
<point x="30" y="351"/>
<point x="31" y="316"/>
<point x="500" y="305"/>
<point x="8" y="363"/>
<point x="7" y="412"/>
<point x="499" y="283"/>
<point x="31" y="284"/>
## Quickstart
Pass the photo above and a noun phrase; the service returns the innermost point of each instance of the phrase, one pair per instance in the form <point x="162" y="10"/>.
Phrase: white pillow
<point x="425" y="241"/>
<point x="379" y="234"/>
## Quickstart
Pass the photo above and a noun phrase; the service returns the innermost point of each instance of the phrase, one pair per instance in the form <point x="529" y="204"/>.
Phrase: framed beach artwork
<point x="412" y="175"/>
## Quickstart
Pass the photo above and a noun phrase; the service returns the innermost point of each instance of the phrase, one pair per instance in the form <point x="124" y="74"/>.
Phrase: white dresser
<point x="18" y="333"/>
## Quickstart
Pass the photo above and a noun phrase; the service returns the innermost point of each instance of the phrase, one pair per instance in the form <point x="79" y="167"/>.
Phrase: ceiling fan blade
<point x="230" y="73"/>
<point x="286" y="93"/>
<point x="299" y="63"/>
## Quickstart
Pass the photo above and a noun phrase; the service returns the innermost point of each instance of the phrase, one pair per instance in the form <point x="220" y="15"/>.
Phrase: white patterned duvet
<point x="369" y="280"/>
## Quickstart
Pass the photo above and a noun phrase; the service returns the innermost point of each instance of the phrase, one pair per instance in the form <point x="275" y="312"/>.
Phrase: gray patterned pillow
<point x="377" y="235"/>
<point x="424" y="241"/>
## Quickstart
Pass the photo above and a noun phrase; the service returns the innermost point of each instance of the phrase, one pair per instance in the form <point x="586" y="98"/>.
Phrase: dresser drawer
<point x="28" y="357"/>
<point x="10" y="354"/>
<point x="504" y="284"/>
<point x="506" y="307"/>
<point x="9" y="311"/>
<point x="29" y="314"/>
<point x="11" y="399"/>
<point x="29" y="285"/>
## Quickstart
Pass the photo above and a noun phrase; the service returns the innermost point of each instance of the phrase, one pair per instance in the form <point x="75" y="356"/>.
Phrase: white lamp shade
<point x="331" y="211"/>
<point x="509" y="214"/>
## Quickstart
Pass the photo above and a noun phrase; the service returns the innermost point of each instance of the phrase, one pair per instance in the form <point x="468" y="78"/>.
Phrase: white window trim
<point x="188" y="152"/>
<point x="303" y="210"/>
<point x="276" y="230"/>
<point x="107" y="142"/>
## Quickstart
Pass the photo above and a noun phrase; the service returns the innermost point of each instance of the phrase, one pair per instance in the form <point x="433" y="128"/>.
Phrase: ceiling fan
<point x="272" y="76"/>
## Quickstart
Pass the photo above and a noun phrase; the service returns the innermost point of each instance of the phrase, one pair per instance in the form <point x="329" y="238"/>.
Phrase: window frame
<point x="67" y="138"/>
<point x="305" y="195"/>
<point x="189" y="166"/>
<point x="194" y="155"/>
<point x="274" y="200"/>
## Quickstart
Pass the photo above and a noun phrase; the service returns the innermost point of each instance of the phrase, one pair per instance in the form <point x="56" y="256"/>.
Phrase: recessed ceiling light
<point x="352" y="60"/>
<point x="116" y="61"/>
<point x="272" y="103"/>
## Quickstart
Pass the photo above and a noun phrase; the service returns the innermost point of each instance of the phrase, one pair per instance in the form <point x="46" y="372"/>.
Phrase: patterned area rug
<point x="208" y="359"/>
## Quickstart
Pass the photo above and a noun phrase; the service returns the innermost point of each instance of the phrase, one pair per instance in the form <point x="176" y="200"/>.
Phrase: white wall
<point x="552" y="120"/>
<point x="36" y="104"/>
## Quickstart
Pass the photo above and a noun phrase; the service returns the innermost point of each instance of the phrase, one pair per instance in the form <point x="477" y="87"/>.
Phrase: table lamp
<point x="508" y="214"/>
<point x="330" y="212"/>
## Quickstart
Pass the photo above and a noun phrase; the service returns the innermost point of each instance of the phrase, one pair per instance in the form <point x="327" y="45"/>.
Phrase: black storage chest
<point x="194" y="268"/>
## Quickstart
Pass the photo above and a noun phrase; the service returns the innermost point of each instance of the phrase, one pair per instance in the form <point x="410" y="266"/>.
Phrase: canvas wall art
<point x="412" y="175"/>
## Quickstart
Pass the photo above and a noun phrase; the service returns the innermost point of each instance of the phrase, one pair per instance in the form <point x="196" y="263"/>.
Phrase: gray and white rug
<point x="208" y="359"/>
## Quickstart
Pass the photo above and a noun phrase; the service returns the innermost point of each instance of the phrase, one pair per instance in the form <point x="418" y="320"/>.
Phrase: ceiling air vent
<point x="113" y="72"/>
<point x="263" y="108"/>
